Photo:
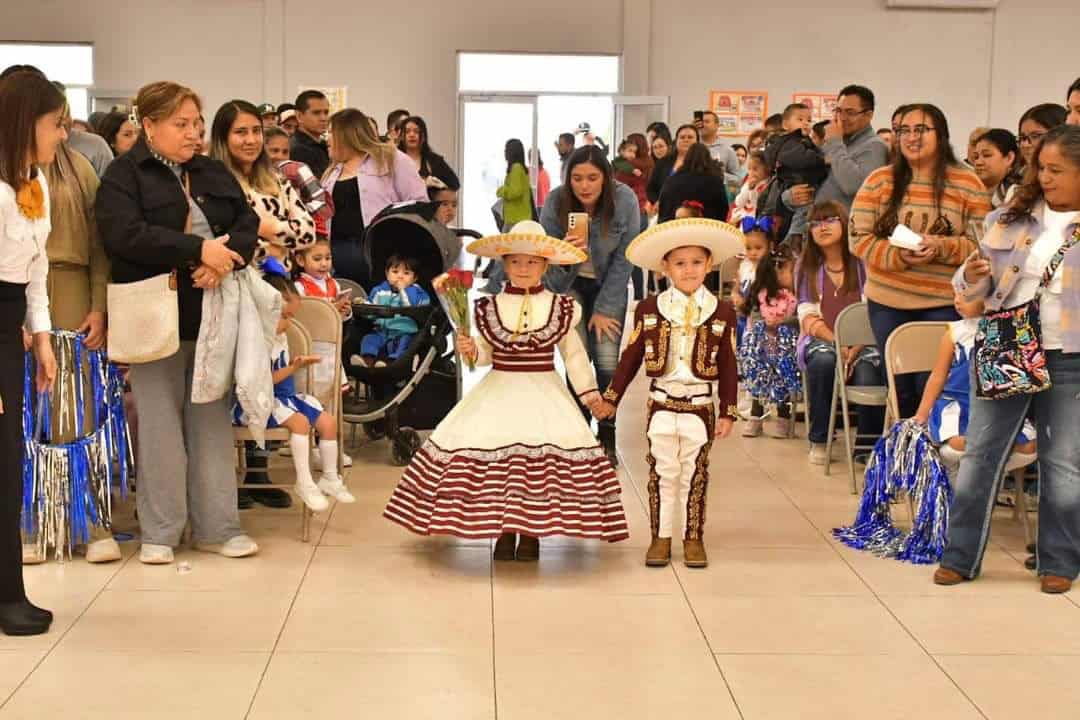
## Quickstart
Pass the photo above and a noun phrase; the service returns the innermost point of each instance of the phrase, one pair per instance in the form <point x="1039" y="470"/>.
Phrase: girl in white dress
<point x="515" y="456"/>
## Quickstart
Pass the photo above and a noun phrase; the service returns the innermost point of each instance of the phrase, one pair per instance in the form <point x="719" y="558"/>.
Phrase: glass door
<point x="634" y="113"/>
<point x="486" y="123"/>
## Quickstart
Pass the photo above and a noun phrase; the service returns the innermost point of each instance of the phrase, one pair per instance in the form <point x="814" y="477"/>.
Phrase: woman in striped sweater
<point x="927" y="190"/>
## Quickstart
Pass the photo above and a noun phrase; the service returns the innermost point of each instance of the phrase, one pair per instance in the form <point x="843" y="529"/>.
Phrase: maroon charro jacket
<point x="712" y="359"/>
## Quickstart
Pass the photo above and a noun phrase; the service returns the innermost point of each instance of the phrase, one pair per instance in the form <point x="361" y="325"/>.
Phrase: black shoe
<point x="40" y="613"/>
<point x="1031" y="563"/>
<point x="1030" y="548"/>
<point x="17" y="618"/>
<point x="506" y="546"/>
<point x="244" y="500"/>
<point x="270" y="497"/>
<point x="606" y="436"/>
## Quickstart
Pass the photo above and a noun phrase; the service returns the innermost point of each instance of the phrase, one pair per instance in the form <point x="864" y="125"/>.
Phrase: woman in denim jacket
<point x="1042" y="220"/>
<point x="599" y="284"/>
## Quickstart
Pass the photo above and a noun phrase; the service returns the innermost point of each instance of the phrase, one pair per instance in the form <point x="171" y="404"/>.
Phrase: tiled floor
<point x="369" y="621"/>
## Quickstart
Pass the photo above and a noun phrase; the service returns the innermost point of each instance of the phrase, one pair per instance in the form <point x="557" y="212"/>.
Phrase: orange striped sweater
<point x="890" y="281"/>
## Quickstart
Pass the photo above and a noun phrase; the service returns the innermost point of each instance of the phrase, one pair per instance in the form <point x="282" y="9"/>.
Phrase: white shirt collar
<point x="672" y="305"/>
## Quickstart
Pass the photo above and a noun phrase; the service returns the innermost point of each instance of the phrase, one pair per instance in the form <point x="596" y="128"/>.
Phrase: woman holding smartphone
<point x="604" y="217"/>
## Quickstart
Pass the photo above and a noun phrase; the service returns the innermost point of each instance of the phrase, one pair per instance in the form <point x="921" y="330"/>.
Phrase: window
<point x="522" y="72"/>
<point x="69" y="63"/>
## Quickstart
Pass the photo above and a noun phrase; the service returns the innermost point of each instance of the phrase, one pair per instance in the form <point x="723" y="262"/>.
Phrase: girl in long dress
<point x="515" y="456"/>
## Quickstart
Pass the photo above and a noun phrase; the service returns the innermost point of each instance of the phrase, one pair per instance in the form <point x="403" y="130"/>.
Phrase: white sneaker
<point x="780" y="428"/>
<point x="155" y="554"/>
<point x="103" y="551"/>
<point x="335" y="488"/>
<point x="235" y="547"/>
<point x="309" y="493"/>
<point x="346" y="460"/>
<point x="817" y="454"/>
<point x="32" y="554"/>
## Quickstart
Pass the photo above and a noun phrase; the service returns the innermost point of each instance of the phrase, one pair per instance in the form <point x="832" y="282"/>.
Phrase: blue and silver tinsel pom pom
<point x="767" y="363"/>
<point x="905" y="462"/>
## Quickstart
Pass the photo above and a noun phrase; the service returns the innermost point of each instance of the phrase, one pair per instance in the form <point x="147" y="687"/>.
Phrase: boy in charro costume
<point x="683" y="335"/>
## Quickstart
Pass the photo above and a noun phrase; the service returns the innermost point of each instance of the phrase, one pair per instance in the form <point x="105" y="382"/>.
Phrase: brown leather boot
<point x="945" y="576"/>
<point x="659" y="554"/>
<point x="528" y="549"/>
<point x="505" y="546"/>
<point x="694" y="554"/>
<point x="1054" y="584"/>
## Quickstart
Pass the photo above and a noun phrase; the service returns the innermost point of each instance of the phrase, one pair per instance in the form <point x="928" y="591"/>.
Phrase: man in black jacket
<point x="307" y="145"/>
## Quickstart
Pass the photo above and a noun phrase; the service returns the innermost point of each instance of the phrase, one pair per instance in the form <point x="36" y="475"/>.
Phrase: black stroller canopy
<point x="410" y="230"/>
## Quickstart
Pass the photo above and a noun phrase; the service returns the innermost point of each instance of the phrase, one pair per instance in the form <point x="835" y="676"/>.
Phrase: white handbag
<point x="144" y="320"/>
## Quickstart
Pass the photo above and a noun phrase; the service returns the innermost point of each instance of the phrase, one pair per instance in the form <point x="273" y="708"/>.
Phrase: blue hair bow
<point x="763" y="224"/>
<point x="272" y="266"/>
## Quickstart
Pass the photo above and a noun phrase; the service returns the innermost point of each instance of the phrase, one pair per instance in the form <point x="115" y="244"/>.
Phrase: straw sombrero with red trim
<point x="528" y="238"/>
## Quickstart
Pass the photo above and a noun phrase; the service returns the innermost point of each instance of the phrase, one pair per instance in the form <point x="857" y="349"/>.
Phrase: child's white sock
<point x="331" y="482"/>
<point x="305" y="484"/>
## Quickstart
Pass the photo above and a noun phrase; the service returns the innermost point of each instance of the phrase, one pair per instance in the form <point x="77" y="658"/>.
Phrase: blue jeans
<point x="885" y="319"/>
<point x="991" y="431"/>
<point x="820" y="378"/>
<point x="604" y="353"/>
<point x="376" y="343"/>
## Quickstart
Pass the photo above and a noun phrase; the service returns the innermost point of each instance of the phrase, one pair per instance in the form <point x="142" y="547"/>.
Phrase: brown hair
<point x="1066" y="138"/>
<point x="24" y="97"/>
<point x="352" y="129"/>
<point x="699" y="161"/>
<point x="812" y="258"/>
<point x="160" y="100"/>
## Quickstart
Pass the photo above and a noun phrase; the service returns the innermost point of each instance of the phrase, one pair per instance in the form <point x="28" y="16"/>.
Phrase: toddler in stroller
<point x="419" y="380"/>
<point x="393" y="335"/>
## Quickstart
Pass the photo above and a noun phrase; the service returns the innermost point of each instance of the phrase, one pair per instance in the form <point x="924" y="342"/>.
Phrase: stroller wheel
<point x="404" y="445"/>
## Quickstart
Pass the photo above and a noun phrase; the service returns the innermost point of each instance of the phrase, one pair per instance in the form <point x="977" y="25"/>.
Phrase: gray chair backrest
<point x="853" y="326"/>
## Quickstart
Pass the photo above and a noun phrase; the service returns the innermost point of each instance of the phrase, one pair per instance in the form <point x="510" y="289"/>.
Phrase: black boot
<point x="37" y="612"/>
<point x="270" y="497"/>
<point x="17" y="618"/>
<point x="606" y="435"/>
<point x="528" y="549"/>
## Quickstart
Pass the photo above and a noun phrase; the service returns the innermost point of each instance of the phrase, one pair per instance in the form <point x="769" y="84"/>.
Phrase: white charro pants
<point x="680" y="438"/>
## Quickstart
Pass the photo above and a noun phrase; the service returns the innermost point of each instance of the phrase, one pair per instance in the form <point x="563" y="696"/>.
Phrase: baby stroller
<point x="419" y="388"/>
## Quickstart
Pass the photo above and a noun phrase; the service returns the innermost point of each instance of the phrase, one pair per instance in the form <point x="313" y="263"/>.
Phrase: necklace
<point x="834" y="272"/>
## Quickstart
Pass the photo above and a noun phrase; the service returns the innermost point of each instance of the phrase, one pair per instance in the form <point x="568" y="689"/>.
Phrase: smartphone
<point x="346" y="293"/>
<point x="699" y="115"/>
<point x="579" y="223"/>
<point x="976" y="232"/>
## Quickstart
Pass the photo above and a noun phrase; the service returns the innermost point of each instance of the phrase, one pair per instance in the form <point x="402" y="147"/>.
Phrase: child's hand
<point x="343" y="305"/>
<point x="921" y="417"/>
<point x="603" y="410"/>
<point x="466" y="347"/>
<point x="438" y="282"/>
<point x="637" y="173"/>
<point x="723" y="427"/>
<point x="301" y="361"/>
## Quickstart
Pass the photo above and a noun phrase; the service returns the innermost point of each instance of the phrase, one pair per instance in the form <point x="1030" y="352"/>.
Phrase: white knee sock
<point x="328" y="453"/>
<point x="301" y="457"/>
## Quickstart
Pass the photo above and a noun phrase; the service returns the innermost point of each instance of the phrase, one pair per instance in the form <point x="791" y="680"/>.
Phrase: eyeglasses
<point x="917" y="132"/>
<point x="1032" y="138"/>
<point x="815" y="224"/>
<point x="850" y="113"/>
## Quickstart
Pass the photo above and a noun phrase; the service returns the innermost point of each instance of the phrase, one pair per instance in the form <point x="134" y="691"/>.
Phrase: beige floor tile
<point x="409" y="620"/>
<point x="1002" y="575"/>
<point x="1006" y="687"/>
<point x="278" y="567"/>
<point x="388" y="685"/>
<point x="597" y="571"/>
<point x="847" y="687"/>
<point x="743" y="487"/>
<point x="67" y="603"/>
<point x="362" y="524"/>
<point x="978" y="624"/>
<point x="98" y="684"/>
<point x="782" y="526"/>
<point x="168" y="620"/>
<point x="788" y="625"/>
<point x="444" y="570"/>
<point x="772" y="571"/>
<point x="15" y="666"/>
<point x="527" y="622"/>
<point x="628" y="686"/>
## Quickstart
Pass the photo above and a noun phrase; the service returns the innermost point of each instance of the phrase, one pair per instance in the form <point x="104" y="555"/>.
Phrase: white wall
<point x="979" y="68"/>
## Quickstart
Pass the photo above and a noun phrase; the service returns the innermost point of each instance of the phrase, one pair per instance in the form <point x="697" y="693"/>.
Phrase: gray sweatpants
<point x="185" y="463"/>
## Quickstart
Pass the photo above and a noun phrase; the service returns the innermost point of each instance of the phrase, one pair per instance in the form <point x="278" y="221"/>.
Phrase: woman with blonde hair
<point x="367" y="175"/>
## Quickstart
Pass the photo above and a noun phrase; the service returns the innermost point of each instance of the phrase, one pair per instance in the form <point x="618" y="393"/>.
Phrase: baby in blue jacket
<point x="392" y="335"/>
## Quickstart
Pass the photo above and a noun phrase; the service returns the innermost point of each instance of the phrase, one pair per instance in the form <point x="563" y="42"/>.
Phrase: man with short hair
<point x="852" y="148"/>
<point x="721" y="152"/>
<point x="393" y="124"/>
<point x="1072" y="101"/>
<point x="565" y="146"/>
<point x="269" y="116"/>
<point x="307" y="144"/>
<point x="888" y="137"/>
<point x="287" y="118"/>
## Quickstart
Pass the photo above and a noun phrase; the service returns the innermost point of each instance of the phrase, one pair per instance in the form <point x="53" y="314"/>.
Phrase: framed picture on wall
<point x="739" y="112"/>
<point x="338" y="97"/>
<point x="822" y="105"/>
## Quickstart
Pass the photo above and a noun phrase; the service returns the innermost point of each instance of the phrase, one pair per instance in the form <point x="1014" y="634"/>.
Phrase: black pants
<point x="12" y="312"/>
<point x="350" y="263"/>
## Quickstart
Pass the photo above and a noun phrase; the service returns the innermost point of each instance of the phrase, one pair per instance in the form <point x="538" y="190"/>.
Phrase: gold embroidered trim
<point x="611" y="396"/>
<point x="696" y="500"/>
<point x="659" y="357"/>
<point x="636" y="334"/>
<point x="710" y="371"/>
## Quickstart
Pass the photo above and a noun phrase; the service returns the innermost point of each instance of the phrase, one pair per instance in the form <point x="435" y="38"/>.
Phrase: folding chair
<point x="299" y="344"/>
<point x="359" y="294"/>
<point x="323" y="323"/>
<point x="729" y="275"/>
<point x="852" y="328"/>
